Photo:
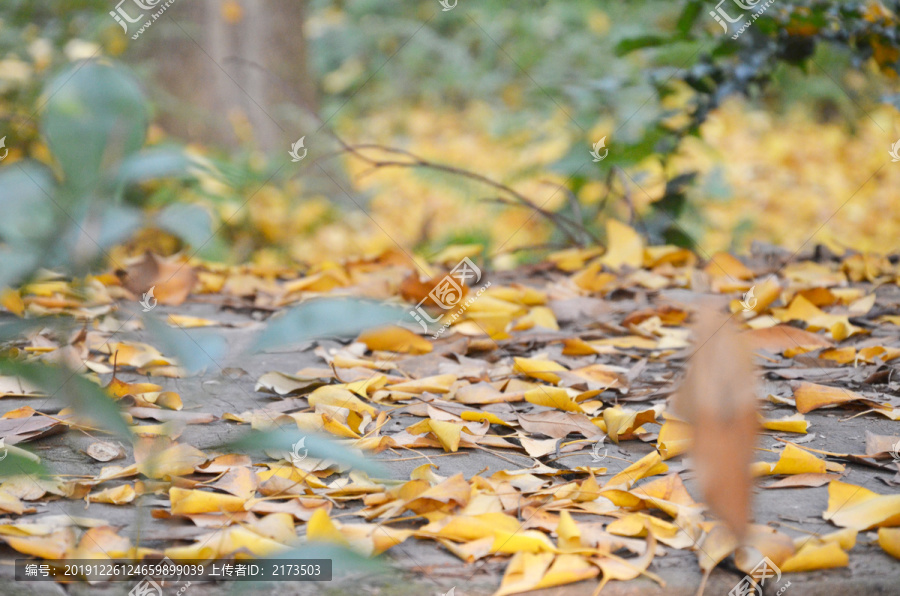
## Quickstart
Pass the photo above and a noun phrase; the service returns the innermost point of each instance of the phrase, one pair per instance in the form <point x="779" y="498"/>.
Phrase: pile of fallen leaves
<point x="553" y="363"/>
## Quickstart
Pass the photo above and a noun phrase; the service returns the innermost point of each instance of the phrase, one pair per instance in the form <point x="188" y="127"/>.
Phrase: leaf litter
<point x="629" y="393"/>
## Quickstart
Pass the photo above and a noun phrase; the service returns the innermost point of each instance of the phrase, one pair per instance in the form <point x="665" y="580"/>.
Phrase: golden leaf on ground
<point x="640" y="524"/>
<point x="395" y="339"/>
<point x="117" y="495"/>
<point x="811" y="396"/>
<point x="157" y="460"/>
<point x="433" y="384"/>
<point x="506" y="531"/>
<point x="53" y="545"/>
<point x="238" y="541"/>
<point x="592" y="278"/>
<point x="790" y="424"/>
<point x="649" y="465"/>
<point x="120" y="388"/>
<point x="674" y="438"/>
<point x="889" y="540"/>
<point x="614" y="567"/>
<point x="624" y="246"/>
<point x="539" y="316"/>
<point x="763" y="541"/>
<point x="186" y="501"/>
<point x="190" y="322"/>
<point x="320" y="528"/>
<point x="813" y="556"/>
<point x="852" y="506"/>
<point x="553" y="397"/>
<point x="793" y="460"/>
<point x="524" y="573"/>
<point x="101" y="543"/>
<point x="539" y="369"/>
<point x="622" y="423"/>
<point x="528" y="572"/>
<point x="478" y="416"/>
<point x="285" y="384"/>
<point x="339" y="397"/>
<point x="803" y="310"/>
<point x="448" y="433"/>
<point x="724" y="266"/>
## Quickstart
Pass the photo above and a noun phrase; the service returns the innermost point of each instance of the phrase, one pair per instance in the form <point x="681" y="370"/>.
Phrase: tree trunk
<point x="246" y="60"/>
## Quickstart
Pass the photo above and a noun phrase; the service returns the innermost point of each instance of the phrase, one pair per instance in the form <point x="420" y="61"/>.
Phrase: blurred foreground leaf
<point x="17" y="461"/>
<point x="86" y="399"/>
<point x="318" y="446"/>
<point x="325" y="318"/>
<point x="194" y="349"/>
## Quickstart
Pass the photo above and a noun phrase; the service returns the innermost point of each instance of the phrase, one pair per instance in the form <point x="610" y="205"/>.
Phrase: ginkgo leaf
<point x="859" y="508"/>
<point x="625" y="246"/>
<point x="51" y="546"/>
<point x="553" y="397"/>
<point x="330" y="395"/>
<point x="448" y="433"/>
<point x="803" y="310"/>
<point x="527" y="572"/>
<point x="725" y="266"/>
<point x="793" y="460"/>
<point x="320" y="528"/>
<point x="433" y="384"/>
<point x="285" y="384"/>
<point x="812" y="557"/>
<point x="539" y="369"/>
<point x="889" y="540"/>
<point x="118" y="495"/>
<point x="649" y="465"/>
<point x="674" y="438"/>
<point x="811" y="396"/>
<point x="616" y="568"/>
<point x="186" y="501"/>
<point x="792" y="424"/>
<point x="621" y="423"/>
<point x="395" y="339"/>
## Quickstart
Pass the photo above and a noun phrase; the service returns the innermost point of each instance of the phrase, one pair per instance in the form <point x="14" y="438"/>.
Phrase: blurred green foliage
<point x="617" y="67"/>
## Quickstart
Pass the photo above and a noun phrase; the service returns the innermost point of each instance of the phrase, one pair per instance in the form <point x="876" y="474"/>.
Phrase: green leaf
<point x="195" y="350"/>
<point x="29" y="214"/>
<point x="320" y="318"/>
<point x="17" y="461"/>
<point x="281" y="441"/>
<point x="116" y="224"/>
<point x="688" y="17"/>
<point x="152" y="164"/>
<point x="95" y="114"/>
<point x="88" y="400"/>
<point x="191" y="223"/>
<point x="626" y="46"/>
<point x="18" y="264"/>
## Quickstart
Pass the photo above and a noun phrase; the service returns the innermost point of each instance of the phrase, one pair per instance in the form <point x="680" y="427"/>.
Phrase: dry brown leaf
<point x="779" y="338"/>
<point x="718" y="399"/>
<point x="172" y="280"/>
